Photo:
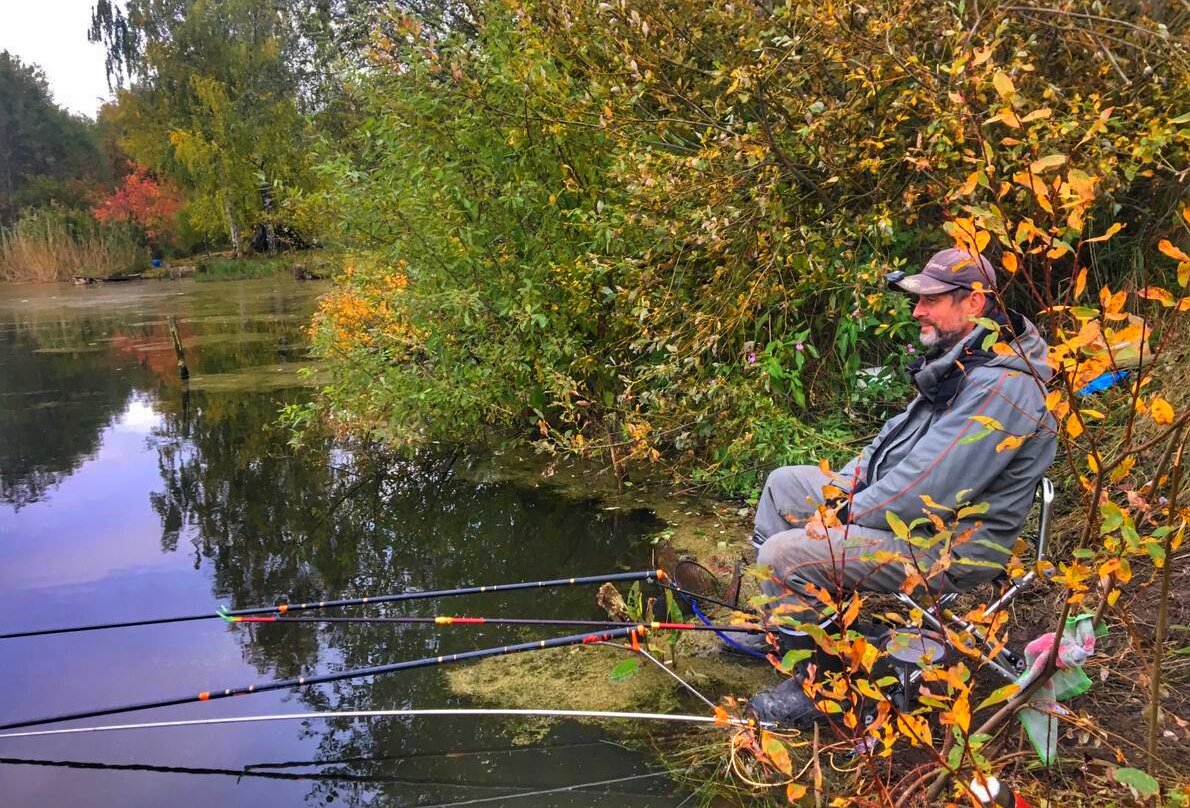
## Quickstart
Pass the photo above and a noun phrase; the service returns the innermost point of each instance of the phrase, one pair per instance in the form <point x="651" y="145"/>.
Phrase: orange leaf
<point x="778" y="754"/>
<point x="1156" y="293"/>
<point x="1074" y="426"/>
<point x="852" y="611"/>
<point x="794" y="792"/>
<point x="1080" y="283"/>
<point x="721" y="717"/>
<point x="1010" y="442"/>
<point x="1162" y="411"/>
<point x="1010" y="262"/>
<point x="1111" y="231"/>
<point x="1173" y="252"/>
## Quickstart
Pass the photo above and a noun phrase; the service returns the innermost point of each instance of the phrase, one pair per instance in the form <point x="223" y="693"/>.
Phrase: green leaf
<point x="791" y="658"/>
<point x="973" y="510"/>
<point x="624" y="670"/>
<point x="898" y="526"/>
<point x="1113" y="517"/>
<point x="998" y="695"/>
<point x="1181" y="119"/>
<point x="1139" y="781"/>
<point x="980" y="435"/>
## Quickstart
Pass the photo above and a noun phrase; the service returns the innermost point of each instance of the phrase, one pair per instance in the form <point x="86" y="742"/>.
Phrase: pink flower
<point x="752" y="358"/>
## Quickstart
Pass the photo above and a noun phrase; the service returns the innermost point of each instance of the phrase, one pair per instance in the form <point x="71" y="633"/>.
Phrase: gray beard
<point x="942" y="341"/>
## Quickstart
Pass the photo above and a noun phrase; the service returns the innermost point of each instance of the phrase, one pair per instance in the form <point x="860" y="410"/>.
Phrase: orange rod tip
<point x="203" y="696"/>
<point x="661" y="576"/>
<point x="282" y="607"/>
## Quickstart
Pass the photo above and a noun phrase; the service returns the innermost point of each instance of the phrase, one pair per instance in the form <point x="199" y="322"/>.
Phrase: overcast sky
<point x="53" y="35"/>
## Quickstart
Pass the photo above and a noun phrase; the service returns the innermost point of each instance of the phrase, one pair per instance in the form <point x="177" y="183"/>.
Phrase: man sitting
<point x="924" y="457"/>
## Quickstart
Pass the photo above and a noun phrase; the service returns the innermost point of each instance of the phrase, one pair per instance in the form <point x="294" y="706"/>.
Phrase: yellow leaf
<point x="982" y="55"/>
<point x="776" y="751"/>
<point x="1161" y="410"/>
<point x="1173" y="252"/>
<point x="1111" y="231"/>
<point x="1121" y="470"/>
<point x="1093" y="463"/>
<point x="1112" y="597"/>
<point x="1009" y="260"/>
<point x="1074" y="427"/>
<point x="1003" y="85"/>
<point x="1037" y="115"/>
<point x="1080" y="283"/>
<point x="1047" y="162"/>
<point x="1183" y="273"/>
<point x="989" y="422"/>
<point x="1156" y="293"/>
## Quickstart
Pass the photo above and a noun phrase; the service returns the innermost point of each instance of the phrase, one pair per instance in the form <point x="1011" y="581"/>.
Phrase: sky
<point x="53" y="35"/>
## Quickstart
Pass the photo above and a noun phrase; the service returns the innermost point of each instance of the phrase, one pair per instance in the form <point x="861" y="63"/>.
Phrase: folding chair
<point x="1006" y="662"/>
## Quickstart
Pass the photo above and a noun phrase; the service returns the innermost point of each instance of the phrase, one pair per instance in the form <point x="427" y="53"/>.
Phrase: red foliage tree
<point x="143" y="200"/>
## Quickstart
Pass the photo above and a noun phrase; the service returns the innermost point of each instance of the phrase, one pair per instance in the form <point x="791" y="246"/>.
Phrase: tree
<point x="142" y="200"/>
<point x="212" y="101"/>
<point x="46" y="154"/>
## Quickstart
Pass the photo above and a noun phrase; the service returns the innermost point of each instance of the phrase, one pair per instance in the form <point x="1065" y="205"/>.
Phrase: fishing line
<point x="400" y="713"/>
<point x="282" y="608"/>
<point x="743" y="649"/>
<point x="544" y="792"/>
<point x="503" y="621"/>
<point x="355" y="673"/>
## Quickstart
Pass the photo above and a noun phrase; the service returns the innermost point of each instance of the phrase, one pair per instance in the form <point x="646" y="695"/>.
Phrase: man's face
<point x="946" y="318"/>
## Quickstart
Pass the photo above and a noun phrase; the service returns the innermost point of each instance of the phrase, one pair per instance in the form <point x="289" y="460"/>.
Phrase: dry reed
<point x="55" y="245"/>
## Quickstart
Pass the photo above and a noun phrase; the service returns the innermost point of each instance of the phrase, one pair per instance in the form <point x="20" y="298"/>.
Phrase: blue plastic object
<point x="1103" y="382"/>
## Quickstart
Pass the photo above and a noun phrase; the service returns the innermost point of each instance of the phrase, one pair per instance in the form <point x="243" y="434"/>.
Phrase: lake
<point x="125" y="494"/>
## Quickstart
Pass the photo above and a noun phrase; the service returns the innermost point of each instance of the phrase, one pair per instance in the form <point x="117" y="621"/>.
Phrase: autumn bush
<point x="657" y="230"/>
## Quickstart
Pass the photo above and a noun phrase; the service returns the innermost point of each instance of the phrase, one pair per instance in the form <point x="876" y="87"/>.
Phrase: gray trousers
<point x="845" y="560"/>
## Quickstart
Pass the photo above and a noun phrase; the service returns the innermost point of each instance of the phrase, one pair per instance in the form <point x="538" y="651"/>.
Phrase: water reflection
<point x="128" y="495"/>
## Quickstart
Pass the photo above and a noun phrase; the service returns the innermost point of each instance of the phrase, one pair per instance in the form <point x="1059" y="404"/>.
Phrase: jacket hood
<point x="937" y="377"/>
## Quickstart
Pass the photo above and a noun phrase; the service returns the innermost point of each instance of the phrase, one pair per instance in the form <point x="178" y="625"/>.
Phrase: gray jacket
<point x="924" y="451"/>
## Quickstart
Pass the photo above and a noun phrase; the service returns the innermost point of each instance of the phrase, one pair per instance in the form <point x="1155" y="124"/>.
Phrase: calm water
<point x="124" y="496"/>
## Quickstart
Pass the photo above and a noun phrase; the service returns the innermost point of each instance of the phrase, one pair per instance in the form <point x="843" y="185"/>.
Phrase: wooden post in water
<point x="183" y="371"/>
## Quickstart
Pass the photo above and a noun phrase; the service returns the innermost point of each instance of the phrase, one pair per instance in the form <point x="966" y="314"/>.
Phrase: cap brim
<point x="921" y="284"/>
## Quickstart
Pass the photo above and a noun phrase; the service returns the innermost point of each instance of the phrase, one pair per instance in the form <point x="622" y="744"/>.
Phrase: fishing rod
<point x="729" y="721"/>
<point x="632" y="633"/>
<point x="283" y="608"/>
<point x="505" y="621"/>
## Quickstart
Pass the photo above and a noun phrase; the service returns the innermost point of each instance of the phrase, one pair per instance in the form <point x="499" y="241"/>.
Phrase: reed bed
<point x="56" y="245"/>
